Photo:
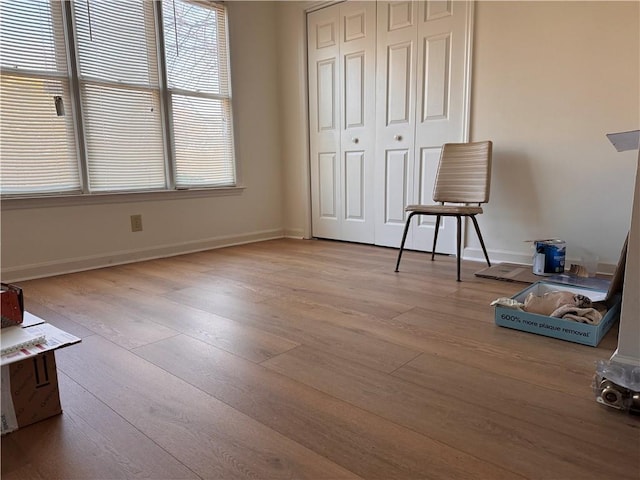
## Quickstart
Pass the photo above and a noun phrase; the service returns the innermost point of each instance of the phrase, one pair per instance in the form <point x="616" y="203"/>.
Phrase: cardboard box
<point x="29" y="379"/>
<point x="29" y="391"/>
<point x="568" y="330"/>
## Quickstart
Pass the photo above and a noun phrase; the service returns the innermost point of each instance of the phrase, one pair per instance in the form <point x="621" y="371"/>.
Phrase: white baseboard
<point x="77" y="264"/>
<point x="502" y="256"/>
<point x="296" y="233"/>
<point x="496" y="256"/>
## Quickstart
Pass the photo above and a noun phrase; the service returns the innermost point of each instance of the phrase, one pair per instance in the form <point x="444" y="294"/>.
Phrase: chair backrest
<point x="464" y="173"/>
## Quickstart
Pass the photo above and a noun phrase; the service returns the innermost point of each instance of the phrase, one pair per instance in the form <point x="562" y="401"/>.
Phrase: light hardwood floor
<point x="311" y="360"/>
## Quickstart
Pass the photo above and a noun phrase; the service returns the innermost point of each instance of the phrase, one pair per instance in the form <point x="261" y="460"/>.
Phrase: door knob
<point x="398" y="138"/>
<point x="355" y="140"/>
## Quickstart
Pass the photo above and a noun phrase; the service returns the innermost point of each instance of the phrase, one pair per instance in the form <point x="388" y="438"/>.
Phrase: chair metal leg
<point x="459" y="242"/>
<point x="435" y="238"/>
<point x="484" y="250"/>
<point x="404" y="238"/>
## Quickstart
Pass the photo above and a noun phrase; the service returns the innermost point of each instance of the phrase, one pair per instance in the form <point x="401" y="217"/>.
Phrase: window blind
<point x="37" y="139"/>
<point x="118" y="73"/>
<point x="197" y="62"/>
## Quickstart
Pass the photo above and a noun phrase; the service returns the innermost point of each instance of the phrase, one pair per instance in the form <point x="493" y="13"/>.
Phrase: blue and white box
<point x="568" y="330"/>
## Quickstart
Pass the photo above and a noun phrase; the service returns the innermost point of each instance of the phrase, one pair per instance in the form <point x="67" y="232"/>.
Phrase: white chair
<point x="461" y="187"/>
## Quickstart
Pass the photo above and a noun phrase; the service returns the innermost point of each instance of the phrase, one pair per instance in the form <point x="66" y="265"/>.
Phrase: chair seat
<point x="445" y="209"/>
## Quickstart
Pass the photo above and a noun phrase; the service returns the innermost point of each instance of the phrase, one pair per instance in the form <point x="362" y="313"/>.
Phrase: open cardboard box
<point x="29" y="390"/>
<point x="569" y="330"/>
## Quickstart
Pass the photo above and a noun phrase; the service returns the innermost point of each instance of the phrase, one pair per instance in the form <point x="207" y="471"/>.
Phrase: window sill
<point x="42" y="201"/>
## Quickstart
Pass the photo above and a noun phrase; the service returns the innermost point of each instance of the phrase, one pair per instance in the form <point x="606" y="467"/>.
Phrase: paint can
<point x="549" y="256"/>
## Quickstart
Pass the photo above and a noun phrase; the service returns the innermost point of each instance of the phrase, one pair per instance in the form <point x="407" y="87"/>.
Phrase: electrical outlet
<point x="136" y="223"/>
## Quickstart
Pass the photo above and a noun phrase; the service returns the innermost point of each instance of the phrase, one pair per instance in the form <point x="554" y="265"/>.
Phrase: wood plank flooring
<point x="308" y="359"/>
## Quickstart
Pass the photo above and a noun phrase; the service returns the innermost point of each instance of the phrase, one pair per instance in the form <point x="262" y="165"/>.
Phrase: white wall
<point x="41" y="241"/>
<point x="292" y="48"/>
<point x="549" y="80"/>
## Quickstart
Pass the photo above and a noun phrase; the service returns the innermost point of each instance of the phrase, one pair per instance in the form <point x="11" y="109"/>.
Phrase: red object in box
<point x="12" y="305"/>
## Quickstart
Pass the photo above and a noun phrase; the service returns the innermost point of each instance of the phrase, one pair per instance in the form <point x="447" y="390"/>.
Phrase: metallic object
<point x="538" y="263"/>
<point x="616" y="396"/>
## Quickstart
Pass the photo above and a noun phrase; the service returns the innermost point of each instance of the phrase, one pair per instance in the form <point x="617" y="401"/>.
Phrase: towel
<point x="551" y="301"/>
<point x="584" y="315"/>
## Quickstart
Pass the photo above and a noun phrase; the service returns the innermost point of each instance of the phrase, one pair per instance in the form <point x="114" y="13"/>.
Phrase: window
<point x="112" y="96"/>
<point x="200" y="102"/>
<point x="37" y="140"/>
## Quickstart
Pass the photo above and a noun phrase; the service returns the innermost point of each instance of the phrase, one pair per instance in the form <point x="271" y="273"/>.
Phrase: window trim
<point x="102" y="198"/>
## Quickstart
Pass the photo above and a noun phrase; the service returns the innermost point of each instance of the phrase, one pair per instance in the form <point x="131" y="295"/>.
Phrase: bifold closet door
<point x="423" y="63"/>
<point x="341" y="67"/>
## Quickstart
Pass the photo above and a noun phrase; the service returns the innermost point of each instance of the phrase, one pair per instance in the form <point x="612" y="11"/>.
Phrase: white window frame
<point x="84" y="196"/>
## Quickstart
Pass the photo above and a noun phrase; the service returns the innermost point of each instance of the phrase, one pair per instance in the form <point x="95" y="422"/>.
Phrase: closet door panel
<point x="443" y="71"/>
<point x="328" y="186"/>
<point x="323" y="47"/>
<point x="399" y="15"/>
<point x="341" y="62"/>
<point x="354" y="90"/>
<point x="357" y="138"/>
<point x="399" y="84"/>
<point x="354" y="181"/>
<point x="395" y="132"/>
<point x="444" y="44"/>
<point x="395" y="192"/>
<point x="326" y="70"/>
<point x="435" y="87"/>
